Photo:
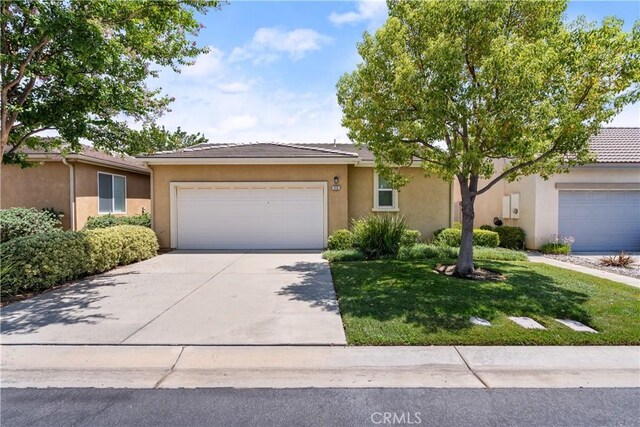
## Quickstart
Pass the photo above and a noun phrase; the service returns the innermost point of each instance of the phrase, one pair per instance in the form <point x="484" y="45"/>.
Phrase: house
<point x="80" y="185"/>
<point x="279" y="196"/>
<point x="596" y="204"/>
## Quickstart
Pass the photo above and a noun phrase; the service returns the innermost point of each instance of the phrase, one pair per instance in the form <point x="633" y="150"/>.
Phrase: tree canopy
<point x="80" y="67"/>
<point x="458" y="84"/>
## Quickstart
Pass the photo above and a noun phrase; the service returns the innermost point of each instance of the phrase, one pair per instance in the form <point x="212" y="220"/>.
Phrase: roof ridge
<point x="303" y="147"/>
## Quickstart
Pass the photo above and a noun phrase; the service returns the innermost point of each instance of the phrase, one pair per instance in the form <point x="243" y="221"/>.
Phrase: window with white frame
<point x="112" y="193"/>
<point x="385" y="197"/>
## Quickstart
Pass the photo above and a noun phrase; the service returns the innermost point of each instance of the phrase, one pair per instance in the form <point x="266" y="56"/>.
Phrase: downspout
<point x="72" y="194"/>
<point x="451" y="204"/>
<point x="151" y="209"/>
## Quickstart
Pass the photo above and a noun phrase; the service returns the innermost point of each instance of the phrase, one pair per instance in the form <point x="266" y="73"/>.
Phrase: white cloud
<point x="235" y="87"/>
<point x="205" y="64"/>
<point x="238" y="123"/>
<point x="268" y="43"/>
<point x="372" y="11"/>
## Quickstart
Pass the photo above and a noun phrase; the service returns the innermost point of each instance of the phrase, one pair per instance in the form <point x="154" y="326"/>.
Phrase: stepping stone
<point x="479" y="321"/>
<point x="527" y="322"/>
<point x="576" y="326"/>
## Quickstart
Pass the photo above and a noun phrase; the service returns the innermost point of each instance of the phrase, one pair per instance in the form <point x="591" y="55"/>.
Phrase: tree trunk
<point x="464" y="265"/>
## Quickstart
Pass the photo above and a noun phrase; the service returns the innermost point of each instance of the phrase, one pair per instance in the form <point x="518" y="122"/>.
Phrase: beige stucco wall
<point x="44" y="186"/>
<point x="539" y="198"/>
<point x="163" y="175"/>
<point x="138" y="191"/>
<point x="424" y="202"/>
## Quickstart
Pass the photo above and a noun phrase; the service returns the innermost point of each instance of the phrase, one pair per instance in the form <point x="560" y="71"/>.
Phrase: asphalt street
<point x="320" y="407"/>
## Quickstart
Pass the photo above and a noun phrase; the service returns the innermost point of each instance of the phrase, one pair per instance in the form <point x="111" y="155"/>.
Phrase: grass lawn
<point x="405" y="303"/>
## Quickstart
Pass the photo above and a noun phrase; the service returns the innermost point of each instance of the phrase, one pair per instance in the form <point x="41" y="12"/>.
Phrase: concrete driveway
<point x="186" y="298"/>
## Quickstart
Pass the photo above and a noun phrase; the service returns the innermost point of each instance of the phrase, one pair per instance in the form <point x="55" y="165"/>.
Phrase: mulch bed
<point x="478" y="273"/>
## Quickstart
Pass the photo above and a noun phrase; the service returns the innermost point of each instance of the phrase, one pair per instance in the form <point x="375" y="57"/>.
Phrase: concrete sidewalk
<point x="318" y="366"/>
<point x="586" y="270"/>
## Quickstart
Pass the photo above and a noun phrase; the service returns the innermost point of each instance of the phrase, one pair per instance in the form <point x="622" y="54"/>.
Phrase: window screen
<point x="105" y="192"/>
<point x="119" y="193"/>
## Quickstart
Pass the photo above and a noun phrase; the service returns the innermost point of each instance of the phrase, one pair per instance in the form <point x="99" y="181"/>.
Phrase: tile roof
<point x="255" y="150"/>
<point x="611" y="145"/>
<point x="89" y="153"/>
<point x="616" y="145"/>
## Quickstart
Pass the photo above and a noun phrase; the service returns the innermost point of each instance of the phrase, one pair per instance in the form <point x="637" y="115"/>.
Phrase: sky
<point x="272" y="68"/>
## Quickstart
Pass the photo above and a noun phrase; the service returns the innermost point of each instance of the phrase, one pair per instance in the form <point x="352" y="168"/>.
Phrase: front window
<point x="385" y="196"/>
<point x="112" y="193"/>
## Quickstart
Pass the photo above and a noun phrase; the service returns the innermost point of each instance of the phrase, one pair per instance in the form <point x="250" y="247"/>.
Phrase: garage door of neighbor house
<point x="601" y="220"/>
<point x="288" y="215"/>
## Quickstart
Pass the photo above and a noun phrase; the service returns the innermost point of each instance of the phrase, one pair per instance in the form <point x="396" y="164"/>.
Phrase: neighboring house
<point x="79" y="185"/>
<point x="279" y="196"/>
<point x="597" y="204"/>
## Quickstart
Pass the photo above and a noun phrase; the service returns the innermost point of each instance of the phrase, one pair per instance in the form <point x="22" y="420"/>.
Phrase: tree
<point x="459" y="84"/>
<point x="80" y="67"/>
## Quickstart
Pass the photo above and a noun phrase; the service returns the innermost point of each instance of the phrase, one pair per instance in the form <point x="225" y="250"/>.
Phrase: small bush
<point x="38" y="262"/>
<point x="498" y="254"/>
<point x="489" y="239"/>
<point x="457" y="225"/>
<point x="378" y="236"/>
<point x="21" y="222"/>
<point x="453" y="236"/>
<point x="511" y="237"/>
<point x="109" y="220"/>
<point x="139" y="243"/>
<point x="343" y="255"/>
<point x="436" y="233"/>
<point x="555" y="248"/>
<point x="486" y="227"/>
<point x="620" y="260"/>
<point x="340" y="240"/>
<point x="42" y="260"/>
<point x="423" y="251"/>
<point x="410" y="238"/>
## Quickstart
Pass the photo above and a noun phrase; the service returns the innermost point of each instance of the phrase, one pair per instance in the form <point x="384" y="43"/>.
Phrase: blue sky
<point x="273" y="66"/>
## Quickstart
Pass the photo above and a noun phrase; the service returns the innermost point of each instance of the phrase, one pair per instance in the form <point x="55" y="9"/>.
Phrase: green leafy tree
<point x="458" y="84"/>
<point x="80" y="67"/>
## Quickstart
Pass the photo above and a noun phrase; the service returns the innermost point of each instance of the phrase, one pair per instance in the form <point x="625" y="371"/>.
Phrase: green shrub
<point x="487" y="227"/>
<point x="486" y="238"/>
<point x="453" y="236"/>
<point x="457" y="225"/>
<point x="104" y="249"/>
<point x="21" y="222"/>
<point x="139" y="243"/>
<point x="109" y="220"/>
<point x="498" y="254"/>
<point x="511" y="237"/>
<point x="423" y="251"/>
<point x="436" y="233"/>
<point x="44" y="260"/>
<point x="410" y="238"/>
<point x="343" y="255"/>
<point x="378" y="236"/>
<point x="340" y="240"/>
<point x="556" y="248"/>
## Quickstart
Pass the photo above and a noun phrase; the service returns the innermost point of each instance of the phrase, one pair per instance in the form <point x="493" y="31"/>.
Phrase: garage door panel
<point x="600" y="220"/>
<point x="251" y="217"/>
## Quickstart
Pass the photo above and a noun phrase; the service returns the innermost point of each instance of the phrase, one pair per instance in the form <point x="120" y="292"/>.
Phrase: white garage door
<point x="250" y="216"/>
<point x="601" y="220"/>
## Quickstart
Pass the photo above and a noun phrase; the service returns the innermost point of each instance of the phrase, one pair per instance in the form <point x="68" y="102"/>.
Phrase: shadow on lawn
<point x="389" y="290"/>
<point x="70" y="304"/>
<point x="315" y="285"/>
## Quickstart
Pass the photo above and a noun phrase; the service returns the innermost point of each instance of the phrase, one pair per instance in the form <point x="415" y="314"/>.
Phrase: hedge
<point x="38" y="262"/>
<point x="109" y="220"/>
<point x="510" y="237"/>
<point x="453" y="236"/>
<point x="423" y="251"/>
<point x="21" y="222"/>
<point x="340" y="240"/>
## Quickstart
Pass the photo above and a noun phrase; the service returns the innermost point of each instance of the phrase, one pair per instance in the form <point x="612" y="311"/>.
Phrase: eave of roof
<point x="81" y="158"/>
